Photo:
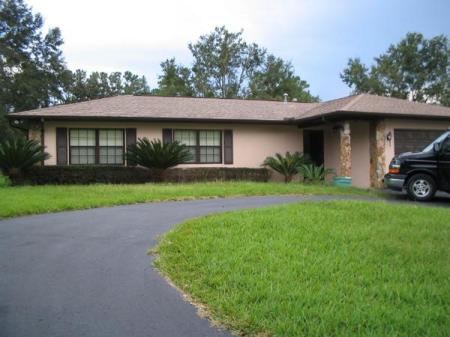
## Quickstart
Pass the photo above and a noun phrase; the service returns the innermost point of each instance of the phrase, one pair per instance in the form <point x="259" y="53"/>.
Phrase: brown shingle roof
<point x="157" y="107"/>
<point x="185" y="108"/>
<point x="365" y="104"/>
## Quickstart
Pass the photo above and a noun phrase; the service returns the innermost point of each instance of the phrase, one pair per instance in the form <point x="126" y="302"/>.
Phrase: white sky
<point x="318" y="36"/>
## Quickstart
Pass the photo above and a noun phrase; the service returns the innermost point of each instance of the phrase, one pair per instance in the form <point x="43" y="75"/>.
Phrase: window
<point x="205" y="145"/>
<point x="82" y="146"/>
<point x="446" y="147"/>
<point x="92" y="146"/>
<point x="111" y="146"/>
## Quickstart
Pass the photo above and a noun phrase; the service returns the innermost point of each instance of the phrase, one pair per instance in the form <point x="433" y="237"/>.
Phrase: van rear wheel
<point x="421" y="187"/>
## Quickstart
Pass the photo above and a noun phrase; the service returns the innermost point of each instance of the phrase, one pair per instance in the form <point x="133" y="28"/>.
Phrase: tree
<point x="276" y="78"/>
<point x="175" y="80"/>
<point x="33" y="73"/>
<point x="226" y="66"/>
<point x="134" y="84"/>
<point x="101" y="84"/>
<point x="416" y="68"/>
<point x="223" y="61"/>
<point x="32" y="70"/>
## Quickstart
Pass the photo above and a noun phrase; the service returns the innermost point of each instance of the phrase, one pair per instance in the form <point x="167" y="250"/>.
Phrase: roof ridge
<point x="352" y="102"/>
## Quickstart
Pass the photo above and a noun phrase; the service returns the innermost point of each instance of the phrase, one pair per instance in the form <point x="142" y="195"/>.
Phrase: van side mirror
<point x="436" y="147"/>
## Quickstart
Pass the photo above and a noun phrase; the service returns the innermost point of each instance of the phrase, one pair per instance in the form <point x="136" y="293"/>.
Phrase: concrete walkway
<point x="87" y="273"/>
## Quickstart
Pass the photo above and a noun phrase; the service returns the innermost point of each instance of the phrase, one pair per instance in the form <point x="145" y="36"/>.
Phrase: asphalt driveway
<point x="87" y="273"/>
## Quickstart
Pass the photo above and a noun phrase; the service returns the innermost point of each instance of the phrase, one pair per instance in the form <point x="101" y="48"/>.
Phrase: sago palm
<point x="286" y="165"/>
<point x="314" y="174"/>
<point x="18" y="154"/>
<point x="157" y="155"/>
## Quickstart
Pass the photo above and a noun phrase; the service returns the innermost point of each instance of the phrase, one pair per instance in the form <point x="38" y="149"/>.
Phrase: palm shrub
<point x="286" y="165"/>
<point x="314" y="174"/>
<point x="157" y="155"/>
<point x="18" y="154"/>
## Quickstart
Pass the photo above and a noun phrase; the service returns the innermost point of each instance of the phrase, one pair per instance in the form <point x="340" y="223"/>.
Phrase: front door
<point x="313" y="147"/>
<point x="444" y="166"/>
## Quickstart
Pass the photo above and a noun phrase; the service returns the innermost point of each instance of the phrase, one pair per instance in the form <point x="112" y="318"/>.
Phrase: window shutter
<point x="228" y="146"/>
<point x="61" y="146"/>
<point x="130" y="140"/>
<point x="167" y="136"/>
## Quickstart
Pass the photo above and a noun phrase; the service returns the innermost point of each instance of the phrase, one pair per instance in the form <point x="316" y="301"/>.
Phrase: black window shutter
<point x="228" y="146"/>
<point x="167" y="136"/>
<point x="61" y="146"/>
<point x="130" y="140"/>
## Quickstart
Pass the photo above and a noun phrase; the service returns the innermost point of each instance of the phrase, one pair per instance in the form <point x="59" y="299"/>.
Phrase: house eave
<point x="286" y="121"/>
<point x="339" y="115"/>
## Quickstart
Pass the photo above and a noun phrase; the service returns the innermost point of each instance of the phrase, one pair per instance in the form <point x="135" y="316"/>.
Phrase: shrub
<point x="4" y="181"/>
<point x="42" y="175"/>
<point x="314" y="174"/>
<point x="157" y="155"/>
<point x="18" y="154"/>
<point x="287" y="165"/>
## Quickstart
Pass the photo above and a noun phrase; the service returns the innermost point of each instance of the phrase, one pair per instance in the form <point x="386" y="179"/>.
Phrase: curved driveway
<point x="87" y="273"/>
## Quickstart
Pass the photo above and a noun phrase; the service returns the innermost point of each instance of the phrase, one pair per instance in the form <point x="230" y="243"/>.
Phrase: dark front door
<point x="444" y="166"/>
<point x="313" y="145"/>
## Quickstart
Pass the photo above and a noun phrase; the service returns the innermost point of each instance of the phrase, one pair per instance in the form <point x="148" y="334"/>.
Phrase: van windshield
<point x="437" y="140"/>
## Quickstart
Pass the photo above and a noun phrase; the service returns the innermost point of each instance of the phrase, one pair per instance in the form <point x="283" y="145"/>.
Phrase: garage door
<point x="407" y="140"/>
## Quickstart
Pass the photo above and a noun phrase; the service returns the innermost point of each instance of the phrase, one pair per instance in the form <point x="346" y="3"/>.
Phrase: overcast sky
<point x="317" y="36"/>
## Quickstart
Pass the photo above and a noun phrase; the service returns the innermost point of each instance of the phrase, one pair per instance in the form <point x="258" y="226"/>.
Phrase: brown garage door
<point x="407" y="140"/>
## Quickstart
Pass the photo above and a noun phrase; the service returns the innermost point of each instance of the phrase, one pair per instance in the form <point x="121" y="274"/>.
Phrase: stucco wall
<point x="360" y="153"/>
<point x="331" y="149"/>
<point x="392" y="124"/>
<point x="251" y="143"/>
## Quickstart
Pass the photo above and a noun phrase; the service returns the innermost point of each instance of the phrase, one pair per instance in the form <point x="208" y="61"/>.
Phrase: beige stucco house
<point x="357" y="136"/>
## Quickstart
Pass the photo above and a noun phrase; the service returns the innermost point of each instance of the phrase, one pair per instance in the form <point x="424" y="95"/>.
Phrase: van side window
<point x="446" y="146"/>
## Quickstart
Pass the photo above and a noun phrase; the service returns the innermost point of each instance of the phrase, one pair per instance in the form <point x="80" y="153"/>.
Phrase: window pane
<point x="82" y="137"/>
<point x="193" y="151"/>
<point x="111" y="155"/>
<point x="187" y="137"/>
<point x="111" y="137"/>
<point x="209" y="138"/>
<point x="210" y="154"/>
<point x="82" y="155"/>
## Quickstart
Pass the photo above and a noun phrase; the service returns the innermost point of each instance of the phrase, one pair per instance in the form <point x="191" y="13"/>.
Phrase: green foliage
<point x="227" y="66"/>
<point x="4" y="181"/>
<point x="155" y="154"/>
<point x="314" y="174"/>
<point x="175" y="80"/>
<point x="117" y="174"/>
<point x="223" y="61"/>
<point x="286" y="165"/>
<point x="277" y="77"/>
<point x="18" y="154"/>
<point x="341" y="268"/>
<point x="415" y="68"/>
<point x="100" y="84"/>
<point x="32" y="70"/>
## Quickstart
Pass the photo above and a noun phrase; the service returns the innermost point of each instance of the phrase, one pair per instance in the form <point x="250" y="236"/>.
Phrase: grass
<point x="341" y="268"/>
<point x="4" y="181"/>
<point x="21" y="200"/>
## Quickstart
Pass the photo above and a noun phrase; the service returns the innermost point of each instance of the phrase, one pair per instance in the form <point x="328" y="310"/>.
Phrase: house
<point x="357" y="136"/>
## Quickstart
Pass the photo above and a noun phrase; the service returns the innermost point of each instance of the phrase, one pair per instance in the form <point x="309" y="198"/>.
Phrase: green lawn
<point x="41" y="199"/>
<point x="341" y="268"/>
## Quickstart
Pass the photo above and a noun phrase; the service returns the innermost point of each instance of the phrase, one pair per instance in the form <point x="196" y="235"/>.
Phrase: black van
<point x="422" y="173"/>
